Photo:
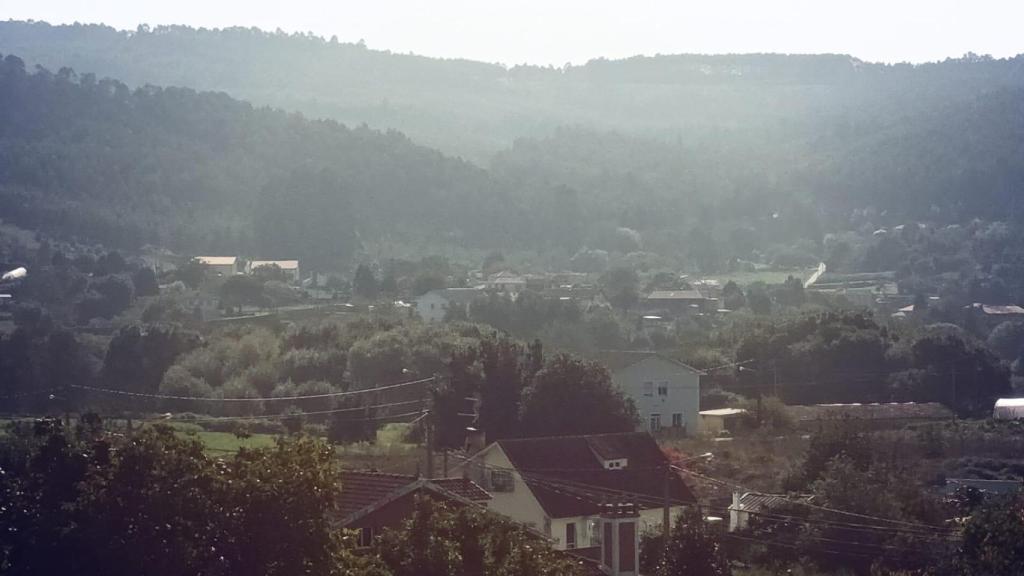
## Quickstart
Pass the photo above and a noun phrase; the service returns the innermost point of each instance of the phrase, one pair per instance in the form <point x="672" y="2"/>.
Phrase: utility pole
<point x="666" y="511"/>
<point x="429" y="443"/>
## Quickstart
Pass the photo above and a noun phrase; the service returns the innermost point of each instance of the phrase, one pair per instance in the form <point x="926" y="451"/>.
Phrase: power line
<point x="916" y="525"/>
<point x="292" y="415"/>
<point x="285" y="416"/>
<point x="271" y="399"/>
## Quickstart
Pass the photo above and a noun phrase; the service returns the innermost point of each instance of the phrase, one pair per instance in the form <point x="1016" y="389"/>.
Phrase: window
<point x="570" y="536"/>
<point x="366" y="536"/>
<point x="594" y="530"/>
<point x="502" y="481"/>
<point x="663" y="389"/>
<point x="677" y="420"/>
<point x="655" y="422"/>
<point x="648" y="388"/>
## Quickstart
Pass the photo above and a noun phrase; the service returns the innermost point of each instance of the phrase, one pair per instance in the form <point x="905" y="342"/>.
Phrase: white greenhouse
<point x="1009" y="409"/>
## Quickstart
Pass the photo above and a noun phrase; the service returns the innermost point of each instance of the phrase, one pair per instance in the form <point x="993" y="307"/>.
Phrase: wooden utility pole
<point x="666" y="510"/>
<point x="428" y="428"/>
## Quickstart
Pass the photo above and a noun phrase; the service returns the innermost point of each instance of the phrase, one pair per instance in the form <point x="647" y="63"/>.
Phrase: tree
<point x="1007" y="340"/>
<point x="620" y="287"/>
<point x="993" y="539"/>
<point x="440" y="540"/>
<point x="758" y="298"/>
<point x="81" y="501"/>
<point x="191" y="273"/>
<point x="502" y="387"/>
<point x="571" y="396"/>
<point x="426" y="281"/>
<point x="365" y="283"/>
<point x="144" y="281"/>
<point x="693" y="550"/>
<point x="732" y="296"/>
<point x="241" y="290"/>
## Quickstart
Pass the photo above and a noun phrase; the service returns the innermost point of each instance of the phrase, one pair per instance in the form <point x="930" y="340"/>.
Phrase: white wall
<point x="683" y="392"/>
<point x="519" y="504"/>
<point x="431" y="307"/>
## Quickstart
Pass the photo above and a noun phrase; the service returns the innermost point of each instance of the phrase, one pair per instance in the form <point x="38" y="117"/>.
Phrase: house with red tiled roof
<point x="371" y="501"/>
<point x="563" y="486"/>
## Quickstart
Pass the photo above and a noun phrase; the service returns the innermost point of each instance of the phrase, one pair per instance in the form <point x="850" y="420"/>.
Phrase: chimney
<point x="734" y="512"/>
<point x="476" y="440"/>
<point x="620" y="539"/>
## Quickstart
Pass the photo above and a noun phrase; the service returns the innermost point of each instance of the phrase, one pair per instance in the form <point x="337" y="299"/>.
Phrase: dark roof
<point x="616" y="360"/>
<point x="570" y="479"/>
<point x="890" y="411"/>
<point x="755" y="502"/>
<point x="361" y="489"/>
<point x="463" y="487"/>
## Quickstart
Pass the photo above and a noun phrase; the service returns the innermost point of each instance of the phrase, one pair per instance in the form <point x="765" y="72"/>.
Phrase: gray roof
<point x="675" y="295"/>
<point x="616" y="360"/>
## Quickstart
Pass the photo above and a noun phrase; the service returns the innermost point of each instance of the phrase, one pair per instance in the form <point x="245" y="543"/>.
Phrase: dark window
<point x="677" y="420"/>
<point x="502" y="481"/>
<point x="655" y="422"/>
<point x="627" y="546"/>
<point x="663" y="389"/>
<point x="366" y="536"/>
<point x="607" y="544"/>
<point x="570" y="535"/>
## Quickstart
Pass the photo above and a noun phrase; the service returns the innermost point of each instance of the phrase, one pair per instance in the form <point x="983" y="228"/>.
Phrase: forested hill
<point x="200" y="172"/>
<point x="476" y="109"/>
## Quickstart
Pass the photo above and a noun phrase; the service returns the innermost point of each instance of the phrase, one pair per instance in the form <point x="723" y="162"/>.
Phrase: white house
<point x="434" y="305"/>
<point x="224" y="266"/>
<point x="289" y="267"/>
<point x="563" y="486"/>
<point x="666" y="392"/>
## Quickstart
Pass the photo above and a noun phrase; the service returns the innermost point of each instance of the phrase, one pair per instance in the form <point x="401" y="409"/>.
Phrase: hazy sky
<point x="560" y="31"/>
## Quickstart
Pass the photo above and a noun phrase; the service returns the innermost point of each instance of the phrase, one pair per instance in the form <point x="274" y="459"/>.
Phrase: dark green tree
<point x="364" y="283"/>
<point x="571" y="396"/>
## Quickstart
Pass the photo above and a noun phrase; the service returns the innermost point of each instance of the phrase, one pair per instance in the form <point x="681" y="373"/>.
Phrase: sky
<point x="557" y="32"/>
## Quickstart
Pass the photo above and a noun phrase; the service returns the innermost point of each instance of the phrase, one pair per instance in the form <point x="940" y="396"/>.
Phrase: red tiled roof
<point x="360" y="489"/>
<point x="463" y="487"/>
<point x="569" y="478"/>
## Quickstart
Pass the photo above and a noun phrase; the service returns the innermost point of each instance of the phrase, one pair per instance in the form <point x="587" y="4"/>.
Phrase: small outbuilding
<point x="714" y="422"/>
<point x="1009" y="409"/>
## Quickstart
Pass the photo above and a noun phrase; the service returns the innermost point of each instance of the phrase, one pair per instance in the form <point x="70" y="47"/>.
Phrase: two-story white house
<point x="434" y="305"/>
<point x="666" y="392"/>
<point x="558" y="485"/>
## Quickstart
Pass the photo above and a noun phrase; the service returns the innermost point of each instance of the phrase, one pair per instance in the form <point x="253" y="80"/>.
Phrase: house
<point x="289" y="267"/>
<point x="874" y="416"/>
<point x="371" y="501"/>
<point x="666" y="392"/>
<point x="568" y="487"/>
<point x="746" y="505"/>
<point x="434" y="305"/>
<point x="223" y="266"/>
<point x="714" y="422"/>
<point x="678" y="302"/>
<point x="506" y="281"/>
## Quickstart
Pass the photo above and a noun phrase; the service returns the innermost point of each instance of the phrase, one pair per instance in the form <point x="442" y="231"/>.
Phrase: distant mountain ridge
<point x="476" y="109"/>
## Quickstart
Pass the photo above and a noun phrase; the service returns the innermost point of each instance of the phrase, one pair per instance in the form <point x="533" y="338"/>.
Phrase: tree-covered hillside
<point x="700" y="160"/>
<point x="475" y="109"/>
<point x="93" y="160"/>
